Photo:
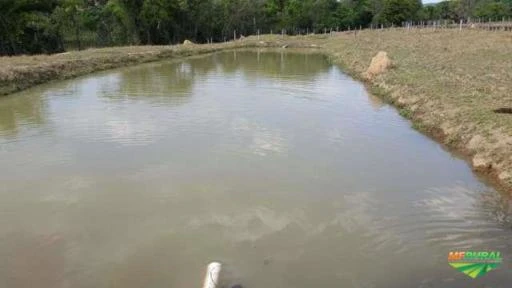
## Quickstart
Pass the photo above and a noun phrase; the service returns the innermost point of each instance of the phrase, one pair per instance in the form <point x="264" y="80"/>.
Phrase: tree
<point x="492" y="10"/>
<point x="323" y="14"/>
<point x="70" y="14"/>
<point x="352" y="13"/>
<point x="447" y="10"/>
<point x="42" y="26"/>
<point x="26" y="27"/>
<point x="115" y="25"/>
<point x="156" y="17"/>
<point x="398" y="11"/>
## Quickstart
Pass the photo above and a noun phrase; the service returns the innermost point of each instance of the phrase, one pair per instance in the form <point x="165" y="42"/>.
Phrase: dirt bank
<point x="450" y="83"/>
<point x="22" y="72"/>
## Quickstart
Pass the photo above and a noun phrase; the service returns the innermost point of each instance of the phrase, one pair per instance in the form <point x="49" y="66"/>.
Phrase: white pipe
<point x="211" y="280"/>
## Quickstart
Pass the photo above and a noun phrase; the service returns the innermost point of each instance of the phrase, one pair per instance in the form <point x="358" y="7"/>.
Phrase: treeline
<point x="48" y="26"/>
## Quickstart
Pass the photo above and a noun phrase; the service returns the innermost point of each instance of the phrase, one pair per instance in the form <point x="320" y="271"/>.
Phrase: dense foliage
<point x="46" y="26"/>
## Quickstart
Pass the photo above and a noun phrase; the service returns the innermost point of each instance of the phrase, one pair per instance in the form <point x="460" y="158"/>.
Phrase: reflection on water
<point x="16" y="112"/>
<point x="153" y="83"/>
<point x="276" y="164"/>
<point x="293" y="66"/>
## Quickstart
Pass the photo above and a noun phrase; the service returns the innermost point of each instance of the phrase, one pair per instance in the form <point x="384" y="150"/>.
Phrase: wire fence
<point x="503" y="25"/>
<point x="89" y="39"/>
<point x="462" y="25"/>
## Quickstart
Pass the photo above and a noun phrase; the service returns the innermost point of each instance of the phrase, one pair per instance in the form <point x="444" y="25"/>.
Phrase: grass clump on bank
<point x="448" y="82"/>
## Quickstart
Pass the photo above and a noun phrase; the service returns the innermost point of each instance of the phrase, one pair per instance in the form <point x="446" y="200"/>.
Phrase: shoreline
<point x="18" y="73"/>
<point x="447" y="89"/>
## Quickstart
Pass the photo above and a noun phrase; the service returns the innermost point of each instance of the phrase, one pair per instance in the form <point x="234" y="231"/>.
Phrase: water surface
<point x="276" y="164"/>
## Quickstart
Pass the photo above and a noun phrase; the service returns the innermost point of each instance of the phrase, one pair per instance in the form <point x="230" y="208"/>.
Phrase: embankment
<point x="22" y="72"/>
<point x="450" y="83"/>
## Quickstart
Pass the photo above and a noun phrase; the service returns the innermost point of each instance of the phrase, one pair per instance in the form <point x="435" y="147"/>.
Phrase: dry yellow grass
<point x="447" y="81"/>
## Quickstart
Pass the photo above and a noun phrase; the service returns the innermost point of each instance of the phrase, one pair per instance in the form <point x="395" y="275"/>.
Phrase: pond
<point x="276" y="164"/>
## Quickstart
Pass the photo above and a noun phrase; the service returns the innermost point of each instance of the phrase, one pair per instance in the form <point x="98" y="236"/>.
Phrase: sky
<point x="431" y="1"/>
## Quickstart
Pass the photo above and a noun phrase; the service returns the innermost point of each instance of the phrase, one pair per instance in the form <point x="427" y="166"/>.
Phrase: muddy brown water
<point x="276" y="164"/>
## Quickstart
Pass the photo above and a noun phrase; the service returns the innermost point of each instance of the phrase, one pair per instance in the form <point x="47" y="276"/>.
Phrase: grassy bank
<point x="21" y="72"/>
<point x="447" y="82"/>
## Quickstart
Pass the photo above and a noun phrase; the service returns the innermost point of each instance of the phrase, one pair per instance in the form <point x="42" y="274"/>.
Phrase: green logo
<point x="474" y="263"/>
